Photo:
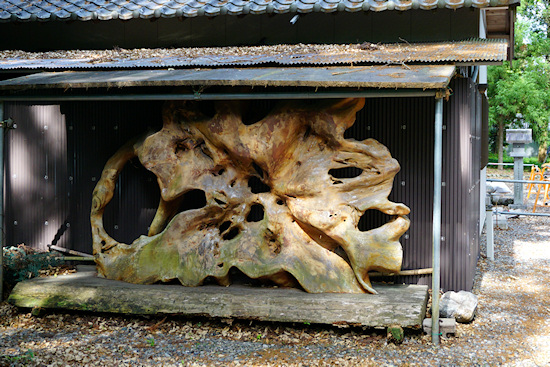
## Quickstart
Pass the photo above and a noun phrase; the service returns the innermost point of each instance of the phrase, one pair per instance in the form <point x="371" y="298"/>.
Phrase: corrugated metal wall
<point x="405" y="126"/>
<point x="36" y="202"/>
<point x="55" y="157"/>
<point x="69" y="143"/>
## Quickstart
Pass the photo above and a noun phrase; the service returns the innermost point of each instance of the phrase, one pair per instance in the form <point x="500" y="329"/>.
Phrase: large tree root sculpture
<point x="264" y="198"/>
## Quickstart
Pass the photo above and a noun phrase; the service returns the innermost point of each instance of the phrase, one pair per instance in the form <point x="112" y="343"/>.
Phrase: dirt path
<point x="512" y="327"/>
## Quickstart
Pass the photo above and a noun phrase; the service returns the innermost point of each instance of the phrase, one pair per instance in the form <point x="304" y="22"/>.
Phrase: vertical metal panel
<point x="36" y="173"/>
<point x="95" y="132"/>
<point x="462" y="151"/>
<point x="55" y="157"/>
<point x="405" y="127"/>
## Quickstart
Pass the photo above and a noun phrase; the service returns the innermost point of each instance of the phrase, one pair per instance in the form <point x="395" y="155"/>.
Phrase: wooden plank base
<point x="399" y="305"/>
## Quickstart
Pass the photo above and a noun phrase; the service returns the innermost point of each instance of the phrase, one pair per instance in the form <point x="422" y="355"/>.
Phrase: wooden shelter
<point x="82" y="78"/>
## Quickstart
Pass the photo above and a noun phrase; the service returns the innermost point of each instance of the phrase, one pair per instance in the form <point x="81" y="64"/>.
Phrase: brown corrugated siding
<point x="461" y="170"/>
<point x="36" y="201"/>
<point x="82" y="136"/>
<point x="405" y="126"/>
<point x="70" y="143"/>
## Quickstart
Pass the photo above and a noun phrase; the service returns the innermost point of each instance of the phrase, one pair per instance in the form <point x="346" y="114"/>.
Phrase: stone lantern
<point x="518" y="138"/>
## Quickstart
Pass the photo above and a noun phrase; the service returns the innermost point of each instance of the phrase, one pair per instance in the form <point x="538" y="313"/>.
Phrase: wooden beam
<point x="402" y="305"/>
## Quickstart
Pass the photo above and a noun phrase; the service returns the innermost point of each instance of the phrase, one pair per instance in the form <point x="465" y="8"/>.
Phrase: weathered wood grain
<point x="402" y="305"/>
<point x="277" y="194"/>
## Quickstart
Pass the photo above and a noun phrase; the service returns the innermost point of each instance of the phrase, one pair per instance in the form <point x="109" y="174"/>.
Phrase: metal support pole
<point x="438" y="153"/>
<point x="1" y="202"/>
<point x="489" y="229"/>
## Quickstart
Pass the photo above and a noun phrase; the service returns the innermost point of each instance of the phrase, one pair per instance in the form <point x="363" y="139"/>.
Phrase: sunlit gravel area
<point x="512" y="327"/>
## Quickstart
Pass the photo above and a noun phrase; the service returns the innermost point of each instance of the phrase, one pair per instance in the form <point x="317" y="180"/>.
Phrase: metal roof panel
<point x="395" y="77"/>
<point x="471" y="51"/>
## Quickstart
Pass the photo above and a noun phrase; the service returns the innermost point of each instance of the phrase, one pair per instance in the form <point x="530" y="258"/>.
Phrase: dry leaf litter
<point x="512" y="327"/>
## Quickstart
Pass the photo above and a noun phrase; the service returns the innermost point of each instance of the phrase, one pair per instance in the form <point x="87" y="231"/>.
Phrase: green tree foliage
<point x="519" y="94"/>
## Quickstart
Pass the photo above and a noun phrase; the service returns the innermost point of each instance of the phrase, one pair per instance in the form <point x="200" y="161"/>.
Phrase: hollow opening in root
<point x="372" y="219"/>
<point x="193" y="199"/>
<point x="345" y="172"/>
<point x="257" y="186"/>
<point x="256" y="213"/>
<point x="224" y="226"/>
<point x="231" y="234"/>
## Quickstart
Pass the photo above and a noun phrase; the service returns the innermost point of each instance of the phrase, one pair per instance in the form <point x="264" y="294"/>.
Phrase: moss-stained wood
<point x="217" y="165"/>
<point x="402" y="305"/>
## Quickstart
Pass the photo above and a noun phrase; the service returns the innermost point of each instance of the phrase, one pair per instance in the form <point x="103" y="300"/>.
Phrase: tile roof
<point x="470" y="51"/>
<point x="84" y="10"/>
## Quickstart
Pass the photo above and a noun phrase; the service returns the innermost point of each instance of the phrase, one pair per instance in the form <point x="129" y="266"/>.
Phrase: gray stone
<point x="458" y="305"/>
<point x="500" y="221"/>
<point x="446" y="327"/>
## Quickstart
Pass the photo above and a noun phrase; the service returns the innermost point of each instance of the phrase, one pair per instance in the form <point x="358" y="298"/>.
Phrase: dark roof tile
<point x="146" y="13"/>
<point x="113" y="7"/>
<point x="62" y="14"/>
<point x="189" y="11"/>
<point x="71" y="8"/>
<point x="257" y="9"/>
<point x="44" y="15"/>
<point x="23" y="15"/>
<point x="125" y="14"/>
<point x="172" y="5"/>
<point x="23" y="10"/>
<point x="104" y="14"/>
<point x="91" y="7"/>
<point x="196" y="4"/>
<point x="167" y="12"/>
<point x="211" y="11"/>
<point x="233" y="9"/>
<point x="31" y="9"/>
<point x="240" y="2"/>
<point x="83" y="14"/>
<point x="280" y="8"/>
<point x="131" y="6"/>
<point x="304" y="8"/>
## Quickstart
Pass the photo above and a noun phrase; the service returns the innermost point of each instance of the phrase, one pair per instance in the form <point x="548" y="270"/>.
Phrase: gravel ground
<point x="512" y="327"/>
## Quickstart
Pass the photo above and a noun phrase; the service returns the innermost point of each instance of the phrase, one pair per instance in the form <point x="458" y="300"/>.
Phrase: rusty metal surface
<point x="469" y="51"/>
<point x="67" y="10"/>
<point x="419" y="77"/>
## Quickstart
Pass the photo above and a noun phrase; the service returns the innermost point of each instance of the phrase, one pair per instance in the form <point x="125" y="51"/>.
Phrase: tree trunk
<point x="543" y="146"/>
<point x="500" y="143"/>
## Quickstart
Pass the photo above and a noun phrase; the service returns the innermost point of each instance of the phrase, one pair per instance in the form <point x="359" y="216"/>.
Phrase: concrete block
<point x="500" y="221"/>
<point x="446" y="327"/>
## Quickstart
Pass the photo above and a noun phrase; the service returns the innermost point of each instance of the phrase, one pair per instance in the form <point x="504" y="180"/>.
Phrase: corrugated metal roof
<point x="50" y="10"/>
<point x="418" y="77"/>
<point x="470" y="51"/>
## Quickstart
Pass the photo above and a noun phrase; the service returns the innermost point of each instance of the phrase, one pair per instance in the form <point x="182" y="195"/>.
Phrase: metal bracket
<point x="8" y="124"/>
